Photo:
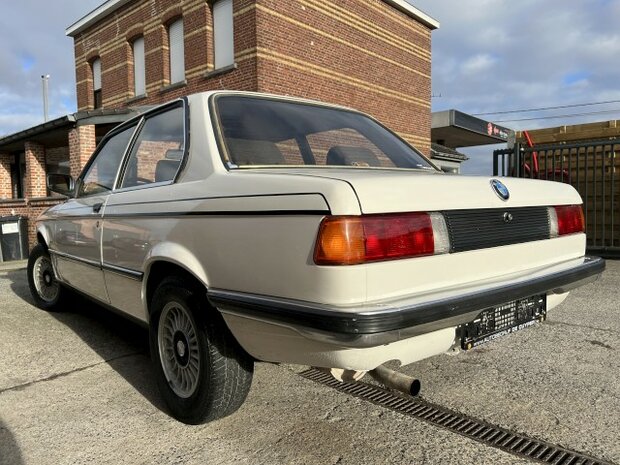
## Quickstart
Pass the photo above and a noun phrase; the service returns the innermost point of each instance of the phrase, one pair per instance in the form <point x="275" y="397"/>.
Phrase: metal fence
<point x="593" y="168"/>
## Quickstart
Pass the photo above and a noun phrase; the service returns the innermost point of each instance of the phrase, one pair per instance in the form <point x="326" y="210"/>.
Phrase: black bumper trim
<point x="332" y="319"/>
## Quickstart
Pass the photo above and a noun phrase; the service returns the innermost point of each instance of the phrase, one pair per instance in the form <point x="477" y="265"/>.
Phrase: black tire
<point x="46" y="290"/>
<point x="185" y="333"/>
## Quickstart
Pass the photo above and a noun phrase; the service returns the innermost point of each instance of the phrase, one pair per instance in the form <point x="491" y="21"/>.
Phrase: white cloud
<point x="480" y="63"/>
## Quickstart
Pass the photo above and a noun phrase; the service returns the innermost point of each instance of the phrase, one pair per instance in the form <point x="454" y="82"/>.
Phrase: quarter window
<point x="177" y="52"/>
<point x="101" y="174"/>
<point x="157" y="153"/>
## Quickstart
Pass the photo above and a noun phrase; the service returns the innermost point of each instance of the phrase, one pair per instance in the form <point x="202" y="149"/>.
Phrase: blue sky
<point x="488" y="55"/>
<point x="34" y="43"/>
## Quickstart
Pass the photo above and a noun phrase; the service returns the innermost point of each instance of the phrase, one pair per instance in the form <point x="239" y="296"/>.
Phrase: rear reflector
<point x="350" y="240"/>
<point x="566" y="219"/>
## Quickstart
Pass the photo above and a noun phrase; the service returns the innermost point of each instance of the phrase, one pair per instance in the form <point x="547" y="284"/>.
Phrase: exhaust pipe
<point x="396" y="380"/>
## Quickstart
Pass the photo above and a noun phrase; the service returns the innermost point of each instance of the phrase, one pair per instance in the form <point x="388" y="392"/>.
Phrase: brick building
<point x="373" y="55"/>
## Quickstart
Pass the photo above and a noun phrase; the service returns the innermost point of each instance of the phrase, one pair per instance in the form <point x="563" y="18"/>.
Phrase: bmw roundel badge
<point x="500" y="189"/>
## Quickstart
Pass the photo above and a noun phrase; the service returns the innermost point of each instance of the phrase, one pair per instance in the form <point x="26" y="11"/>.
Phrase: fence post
<point x="517" y="160"/>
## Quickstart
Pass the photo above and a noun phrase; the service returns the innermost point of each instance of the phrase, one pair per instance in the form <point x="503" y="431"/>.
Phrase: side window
<point x="156" y="156"/>
<point x="102" y="172"/>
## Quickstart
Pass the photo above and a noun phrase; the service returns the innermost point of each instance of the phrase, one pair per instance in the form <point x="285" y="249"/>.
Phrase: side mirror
<point x="62" y="184"/>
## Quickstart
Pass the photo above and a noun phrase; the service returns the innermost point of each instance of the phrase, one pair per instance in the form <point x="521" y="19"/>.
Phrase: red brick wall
<point x="111" y="39"/>
<point x="362" y="54"/>
<point x="56" y="155"/>
<point x="5" y="176"/>
<point x="82" y="144"/>
<point x="36" y="185"/>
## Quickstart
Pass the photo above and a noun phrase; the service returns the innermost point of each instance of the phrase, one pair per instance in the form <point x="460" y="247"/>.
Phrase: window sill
<point x="4" y="202"/>
<point x="137" y="98"/>
<point x="176" y="85"/>
<point x="219" y="71"/>
<point x="27" y="201"/>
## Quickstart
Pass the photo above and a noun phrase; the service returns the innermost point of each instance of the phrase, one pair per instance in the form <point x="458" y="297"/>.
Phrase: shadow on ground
<point x="10" y="454"/>
<point x="123" y="345"/>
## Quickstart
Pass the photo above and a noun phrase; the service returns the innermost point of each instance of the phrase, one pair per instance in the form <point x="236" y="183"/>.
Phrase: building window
<point x="97" y="82"/>
<point x="139" y="75"/>
<point x="223" y="34"/>
<point x="177" y="52"/>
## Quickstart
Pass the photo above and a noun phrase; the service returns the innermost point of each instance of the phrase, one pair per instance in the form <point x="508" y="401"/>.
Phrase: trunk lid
<point x="385" y="191"/>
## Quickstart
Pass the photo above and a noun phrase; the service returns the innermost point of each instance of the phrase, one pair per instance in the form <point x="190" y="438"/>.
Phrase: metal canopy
<point x="454" y="128"/>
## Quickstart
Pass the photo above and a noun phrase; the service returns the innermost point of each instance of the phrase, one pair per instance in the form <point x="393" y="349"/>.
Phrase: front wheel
<point x="47" y="292"/>
<point x="202" y="372"/>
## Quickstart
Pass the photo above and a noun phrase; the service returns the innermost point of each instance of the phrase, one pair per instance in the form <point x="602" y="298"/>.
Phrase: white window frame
<point x="139" y="71"/>
<point x="176" y="40"/>
<point x="223" y="34"/>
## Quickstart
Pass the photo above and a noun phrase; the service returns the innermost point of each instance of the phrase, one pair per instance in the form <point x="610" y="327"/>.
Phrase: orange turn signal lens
<point x="340" y="241"/>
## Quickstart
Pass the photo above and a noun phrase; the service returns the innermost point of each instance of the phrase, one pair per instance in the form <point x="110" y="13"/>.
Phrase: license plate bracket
<point x="502" y="320"/>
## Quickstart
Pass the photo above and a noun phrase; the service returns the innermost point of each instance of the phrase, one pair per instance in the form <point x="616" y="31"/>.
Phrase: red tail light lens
<point x="566" y="219"/>
<point x="350" y="240"/>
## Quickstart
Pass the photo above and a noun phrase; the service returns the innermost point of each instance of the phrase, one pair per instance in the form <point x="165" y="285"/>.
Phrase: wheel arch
<point x="171" y="260"/>
<point x="43" y="236"/>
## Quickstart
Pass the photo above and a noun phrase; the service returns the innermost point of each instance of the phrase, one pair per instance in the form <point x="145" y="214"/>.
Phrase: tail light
<point x="566" y="219"/>
<point x="351" y="240"/>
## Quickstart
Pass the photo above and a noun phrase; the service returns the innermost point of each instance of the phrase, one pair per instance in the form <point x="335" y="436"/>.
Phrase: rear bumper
<point x="386" y="322"/>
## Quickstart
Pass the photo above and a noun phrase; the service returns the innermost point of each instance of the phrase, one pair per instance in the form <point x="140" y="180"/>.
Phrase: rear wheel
<point x="202" y="372"/>
<point x="46" y="290"/>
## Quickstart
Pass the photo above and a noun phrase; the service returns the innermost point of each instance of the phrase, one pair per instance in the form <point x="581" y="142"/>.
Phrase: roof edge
<point x="412" y="11"/>
<point x="91" y="18"/>
<point x="38" y="129"/>
<point x="111" y="6"/>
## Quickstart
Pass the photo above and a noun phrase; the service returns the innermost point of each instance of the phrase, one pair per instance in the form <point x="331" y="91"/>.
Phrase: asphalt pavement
<point x="76" y="387"/>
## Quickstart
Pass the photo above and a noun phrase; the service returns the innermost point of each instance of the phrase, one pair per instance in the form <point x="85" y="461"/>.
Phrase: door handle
<point x="97" y="207"/>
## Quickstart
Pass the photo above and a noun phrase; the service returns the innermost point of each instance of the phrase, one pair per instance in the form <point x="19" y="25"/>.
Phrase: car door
<point x="76" y="241"/>
<point x="133" y="222"/>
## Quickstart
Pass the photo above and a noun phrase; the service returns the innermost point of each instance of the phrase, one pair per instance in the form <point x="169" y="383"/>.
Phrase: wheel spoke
<point x="45" y="282"/>
<point x="179" y="349"/>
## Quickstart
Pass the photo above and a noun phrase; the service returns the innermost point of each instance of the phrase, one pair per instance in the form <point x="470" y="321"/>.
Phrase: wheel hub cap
<point x="180" y="344"/>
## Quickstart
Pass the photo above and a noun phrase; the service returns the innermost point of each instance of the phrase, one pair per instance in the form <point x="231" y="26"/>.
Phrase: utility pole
<point x="45" y="80"/>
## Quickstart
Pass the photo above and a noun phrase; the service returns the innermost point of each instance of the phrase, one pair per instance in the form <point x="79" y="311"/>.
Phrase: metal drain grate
<point x="486" y="433"/>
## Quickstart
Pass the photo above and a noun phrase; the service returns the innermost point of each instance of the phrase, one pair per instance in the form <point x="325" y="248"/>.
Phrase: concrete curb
<point x="13" y="265"/>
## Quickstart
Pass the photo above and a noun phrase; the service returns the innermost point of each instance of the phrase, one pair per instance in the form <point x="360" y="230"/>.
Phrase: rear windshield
<point x="266" y="132"/>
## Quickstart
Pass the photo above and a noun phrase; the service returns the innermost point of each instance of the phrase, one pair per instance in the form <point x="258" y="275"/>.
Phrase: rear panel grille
<point x="484" y="228"/>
